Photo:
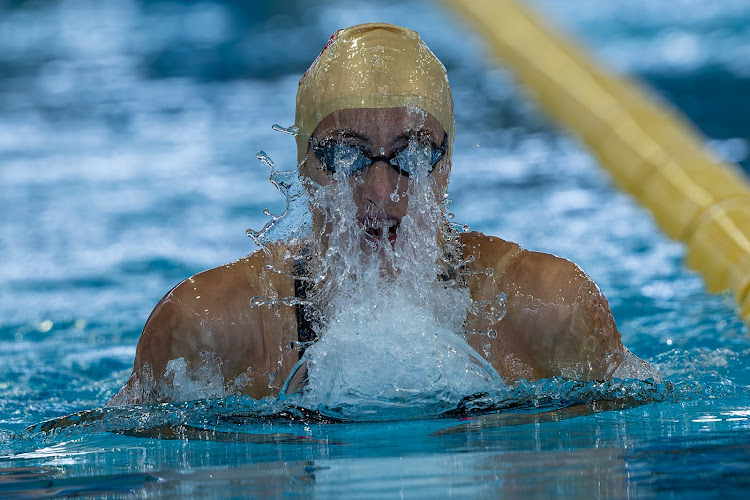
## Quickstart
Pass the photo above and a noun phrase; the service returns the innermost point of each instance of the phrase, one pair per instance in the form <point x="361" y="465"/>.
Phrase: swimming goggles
<point x="353" y="159"/>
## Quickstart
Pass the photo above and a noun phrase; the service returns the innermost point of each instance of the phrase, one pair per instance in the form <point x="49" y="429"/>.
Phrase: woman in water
<point x="375" y="129"/>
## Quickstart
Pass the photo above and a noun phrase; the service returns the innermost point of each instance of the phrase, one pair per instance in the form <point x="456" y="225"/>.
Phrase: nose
<point x="380" y="182"/>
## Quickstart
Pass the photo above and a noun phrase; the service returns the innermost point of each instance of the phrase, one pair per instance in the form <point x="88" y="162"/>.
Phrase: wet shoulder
<point x="499" y="264"/>
<point x="552" y="278"/>
<point x="489" y="252"/>
<point x="238" y="280"/>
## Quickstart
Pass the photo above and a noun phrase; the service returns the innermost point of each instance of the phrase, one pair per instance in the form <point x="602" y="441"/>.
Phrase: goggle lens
<point x="338" y="155"/>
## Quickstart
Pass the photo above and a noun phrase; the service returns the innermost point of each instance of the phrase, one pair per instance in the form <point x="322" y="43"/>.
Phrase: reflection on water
<point x="620" y="454"/>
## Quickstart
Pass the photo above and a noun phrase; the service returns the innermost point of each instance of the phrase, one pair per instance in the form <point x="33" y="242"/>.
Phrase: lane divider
<point x="652" y="151"/>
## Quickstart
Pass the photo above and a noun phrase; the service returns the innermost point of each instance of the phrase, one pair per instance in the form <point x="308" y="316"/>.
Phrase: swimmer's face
<point x="380" y="189"/>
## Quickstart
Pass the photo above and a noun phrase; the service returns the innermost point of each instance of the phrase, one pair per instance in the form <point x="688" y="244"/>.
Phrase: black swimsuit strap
<point x="453" y="255"/>
<point x="305" y="314"/>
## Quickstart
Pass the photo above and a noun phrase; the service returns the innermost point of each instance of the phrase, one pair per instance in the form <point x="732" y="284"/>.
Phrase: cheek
<point x="314" y="175"/>
<point x="358" y="189"/>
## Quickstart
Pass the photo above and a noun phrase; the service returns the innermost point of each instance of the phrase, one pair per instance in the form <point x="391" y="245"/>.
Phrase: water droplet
<point x="289" y="301"/>
<point x="465" y="228"/>
<point x="590" y="344"/>
<point x="262" y="156"/>
<point x="293" y="130"/>
<point x="395" y="197"/>
<point x="489" y="271"/>
<point x="492" y="334"/>
<point x="257" y="301"/>
<point x="451" y="215"/>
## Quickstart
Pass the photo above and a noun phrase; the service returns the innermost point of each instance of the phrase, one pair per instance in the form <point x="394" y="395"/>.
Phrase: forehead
<point x="380" y="124"/>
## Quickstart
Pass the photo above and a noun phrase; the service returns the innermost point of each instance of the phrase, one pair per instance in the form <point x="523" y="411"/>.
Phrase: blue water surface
<point x="128" y="135"/>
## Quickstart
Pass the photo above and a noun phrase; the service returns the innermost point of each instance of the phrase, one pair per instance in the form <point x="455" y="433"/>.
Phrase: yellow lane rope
<point x="651" y="151"/>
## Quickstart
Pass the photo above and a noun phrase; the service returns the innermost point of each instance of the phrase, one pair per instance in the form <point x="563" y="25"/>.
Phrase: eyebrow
<point x="346" y="133"/>
<point x="419" y="133"/>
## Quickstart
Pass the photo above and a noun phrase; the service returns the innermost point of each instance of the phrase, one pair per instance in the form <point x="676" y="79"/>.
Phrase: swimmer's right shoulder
<point x="209" y="311"/>
<point x="250" y="275"/>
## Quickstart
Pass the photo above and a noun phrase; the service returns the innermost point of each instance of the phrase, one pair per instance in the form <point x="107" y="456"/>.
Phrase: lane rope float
<point x="650" y="149"/>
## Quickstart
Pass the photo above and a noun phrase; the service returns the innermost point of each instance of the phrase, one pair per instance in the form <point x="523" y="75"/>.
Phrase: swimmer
<point x="374" y="114"/>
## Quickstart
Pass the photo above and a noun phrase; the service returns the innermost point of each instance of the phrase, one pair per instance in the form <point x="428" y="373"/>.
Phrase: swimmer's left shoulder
<point x="480" y="245"/>
<point x="489" y="251"/>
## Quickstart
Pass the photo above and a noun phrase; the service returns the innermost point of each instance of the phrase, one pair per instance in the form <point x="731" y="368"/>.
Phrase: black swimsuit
<point x="305" y="314"/>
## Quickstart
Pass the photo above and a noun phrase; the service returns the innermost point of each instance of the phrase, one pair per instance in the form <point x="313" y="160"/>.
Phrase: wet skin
<point x="380" y="131"/>
<point x="558" y="323"/>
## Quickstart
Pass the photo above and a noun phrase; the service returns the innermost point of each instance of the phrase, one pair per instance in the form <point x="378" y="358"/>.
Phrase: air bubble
<point x="395" y="197"/>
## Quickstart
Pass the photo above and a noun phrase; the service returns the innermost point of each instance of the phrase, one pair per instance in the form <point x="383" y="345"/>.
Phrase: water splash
<point x="243" y="419"/>
<point x="293" y="130"/>
<point x="387" y="357"/>
<point x="391" y="331"/>
<point x="294" y="223"/>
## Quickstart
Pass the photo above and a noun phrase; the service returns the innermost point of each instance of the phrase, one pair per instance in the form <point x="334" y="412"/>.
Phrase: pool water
<point x="128" y="135"/>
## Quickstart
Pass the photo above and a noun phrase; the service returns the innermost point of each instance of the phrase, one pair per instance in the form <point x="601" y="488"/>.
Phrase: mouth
<point x="380" y="229"/>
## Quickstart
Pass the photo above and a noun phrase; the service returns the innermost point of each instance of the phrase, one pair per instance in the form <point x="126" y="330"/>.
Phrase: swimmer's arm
<point x="155" y="349"/>
<point x="208" y="313"/>
<point x="561" y="319"/>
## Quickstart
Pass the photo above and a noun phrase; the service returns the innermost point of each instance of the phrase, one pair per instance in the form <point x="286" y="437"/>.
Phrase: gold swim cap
<point x="372" y="66"/>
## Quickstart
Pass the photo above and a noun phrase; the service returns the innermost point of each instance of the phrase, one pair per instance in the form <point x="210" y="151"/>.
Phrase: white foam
<point x="632" y="367"/>
<point x="386" y="354"/>
<point x="188" y="385"/>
